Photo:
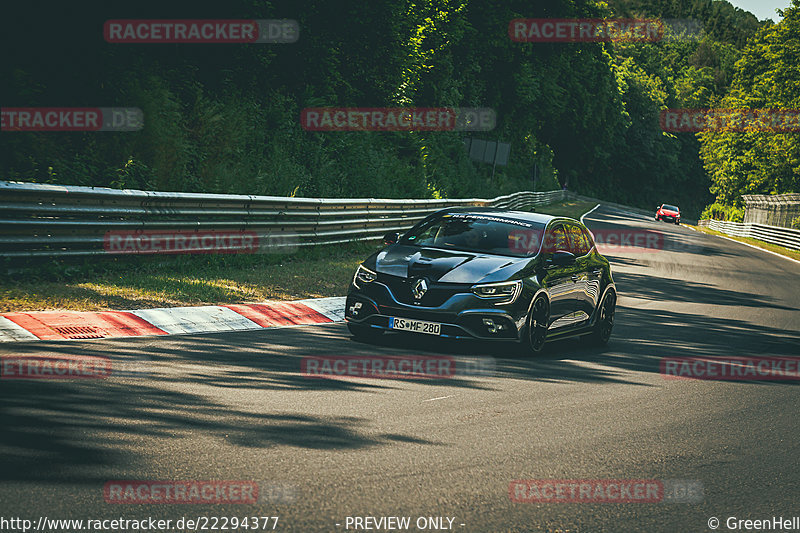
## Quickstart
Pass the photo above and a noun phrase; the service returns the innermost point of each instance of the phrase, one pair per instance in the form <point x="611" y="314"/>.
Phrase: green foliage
<point x="224" y="118"/>
<point x="766" y="76"/>
<point x="717" y="211"/>
<point x="720" y="20"/>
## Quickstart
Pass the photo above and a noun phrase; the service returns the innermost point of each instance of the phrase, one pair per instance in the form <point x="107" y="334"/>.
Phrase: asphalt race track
<point x="235" y="406"/>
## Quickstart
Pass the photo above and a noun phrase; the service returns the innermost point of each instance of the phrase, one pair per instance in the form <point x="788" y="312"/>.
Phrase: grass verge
<point x="793" y="254"/>
<point x="171" y="281"/>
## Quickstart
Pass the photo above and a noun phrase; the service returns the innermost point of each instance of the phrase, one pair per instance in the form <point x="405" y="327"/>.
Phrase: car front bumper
<point x="462" y="315"/>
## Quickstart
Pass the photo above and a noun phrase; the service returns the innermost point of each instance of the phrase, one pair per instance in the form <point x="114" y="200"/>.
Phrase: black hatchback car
<point x="486" y="274"/>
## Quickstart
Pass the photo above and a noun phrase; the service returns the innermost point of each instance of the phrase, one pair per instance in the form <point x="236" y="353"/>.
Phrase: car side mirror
<point x="561" y="258"/>
<point x="391" y="238"/>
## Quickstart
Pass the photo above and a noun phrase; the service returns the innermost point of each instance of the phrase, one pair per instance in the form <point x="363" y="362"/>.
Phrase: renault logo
<point x="419" y="289"/>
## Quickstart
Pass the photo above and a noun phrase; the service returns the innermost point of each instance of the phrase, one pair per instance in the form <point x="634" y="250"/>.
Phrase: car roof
<point x="523" y="216"/>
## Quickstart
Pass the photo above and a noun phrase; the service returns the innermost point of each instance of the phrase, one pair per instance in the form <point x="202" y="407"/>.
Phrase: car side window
<point x="577" y="243"/>
<point x="558" y="240"/>
<point x="588" y="239"/>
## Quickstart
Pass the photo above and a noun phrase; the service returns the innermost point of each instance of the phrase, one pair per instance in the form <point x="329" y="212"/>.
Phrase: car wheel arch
<point x="611" y="286"/>
<point x="540" y="293"/>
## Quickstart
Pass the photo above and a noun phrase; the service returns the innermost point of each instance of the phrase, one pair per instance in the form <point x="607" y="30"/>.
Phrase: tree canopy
<point x="225" y="117"/>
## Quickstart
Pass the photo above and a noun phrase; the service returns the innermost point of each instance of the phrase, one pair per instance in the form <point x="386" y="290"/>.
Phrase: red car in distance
<point x="668" y="213"/>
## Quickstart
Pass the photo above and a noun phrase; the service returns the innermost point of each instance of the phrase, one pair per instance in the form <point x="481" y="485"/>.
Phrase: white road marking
<point x="588" y="212"/>
<point x="332" y="308"/>
<point x="203" y="319"/>
<point x="439" y="398"/>
<point x="11" y="332"/>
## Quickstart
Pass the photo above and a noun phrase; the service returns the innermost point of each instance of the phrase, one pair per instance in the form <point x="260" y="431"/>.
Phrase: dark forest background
<point x="225" y="118"/>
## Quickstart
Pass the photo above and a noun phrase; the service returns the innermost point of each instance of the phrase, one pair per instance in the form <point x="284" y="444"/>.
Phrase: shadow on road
<point x="56" y="426"/>
<point x="679" y="290"/>
<point x="223" y="385"/>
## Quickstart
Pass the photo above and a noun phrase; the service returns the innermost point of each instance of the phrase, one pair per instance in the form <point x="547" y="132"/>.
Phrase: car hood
<point x="669" y="213"/>
<point x="445" y="266"/>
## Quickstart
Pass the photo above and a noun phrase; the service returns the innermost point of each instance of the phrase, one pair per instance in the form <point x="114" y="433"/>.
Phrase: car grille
<point x="436" y="295"/>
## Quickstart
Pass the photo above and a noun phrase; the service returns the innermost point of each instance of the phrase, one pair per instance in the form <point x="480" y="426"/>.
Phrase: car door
<point x="557" y="280"/>
<point x="584" y="274"/>
<point x="595" y="273"/>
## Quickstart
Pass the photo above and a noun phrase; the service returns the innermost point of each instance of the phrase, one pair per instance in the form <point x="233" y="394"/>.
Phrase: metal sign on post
<point x="492" y="152"/>
<point x="476" y="149"/>
<point x="503" y="153"/>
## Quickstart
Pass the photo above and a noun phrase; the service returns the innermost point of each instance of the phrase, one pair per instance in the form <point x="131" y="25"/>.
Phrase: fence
<point x="771" y="209"/>
<point x="40" y="220"/>
<point x="788" y="238"/>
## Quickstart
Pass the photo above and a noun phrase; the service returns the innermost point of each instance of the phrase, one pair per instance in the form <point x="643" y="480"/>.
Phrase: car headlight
<point x="363" y="275"/>
<point x="505" y="292"/>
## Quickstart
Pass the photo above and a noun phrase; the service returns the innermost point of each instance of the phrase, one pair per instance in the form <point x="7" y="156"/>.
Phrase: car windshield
<point x="481" y="233"/>
<point x="670" y="208"/>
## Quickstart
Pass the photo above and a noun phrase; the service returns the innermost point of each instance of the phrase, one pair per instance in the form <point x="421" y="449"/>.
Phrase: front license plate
<point x="417" y="326"/>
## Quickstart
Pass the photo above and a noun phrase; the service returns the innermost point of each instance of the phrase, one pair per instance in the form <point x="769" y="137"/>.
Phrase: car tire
<point x="362" y="332"/>
<point x="677" y="222"/>
<point x="537" y="324"/>
<point x="605" y="320"/>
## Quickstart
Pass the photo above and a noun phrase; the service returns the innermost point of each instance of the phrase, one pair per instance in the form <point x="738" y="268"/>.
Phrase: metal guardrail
<point x="38" y="220"/>
<point x="788" y="238"/>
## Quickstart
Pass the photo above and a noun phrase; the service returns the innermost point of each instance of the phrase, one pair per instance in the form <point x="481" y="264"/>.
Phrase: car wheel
<point x="605" y="320"/>
<point x="677" y="222"/>
<point x="364" y="332"/>
<point x="538" y="321"/>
